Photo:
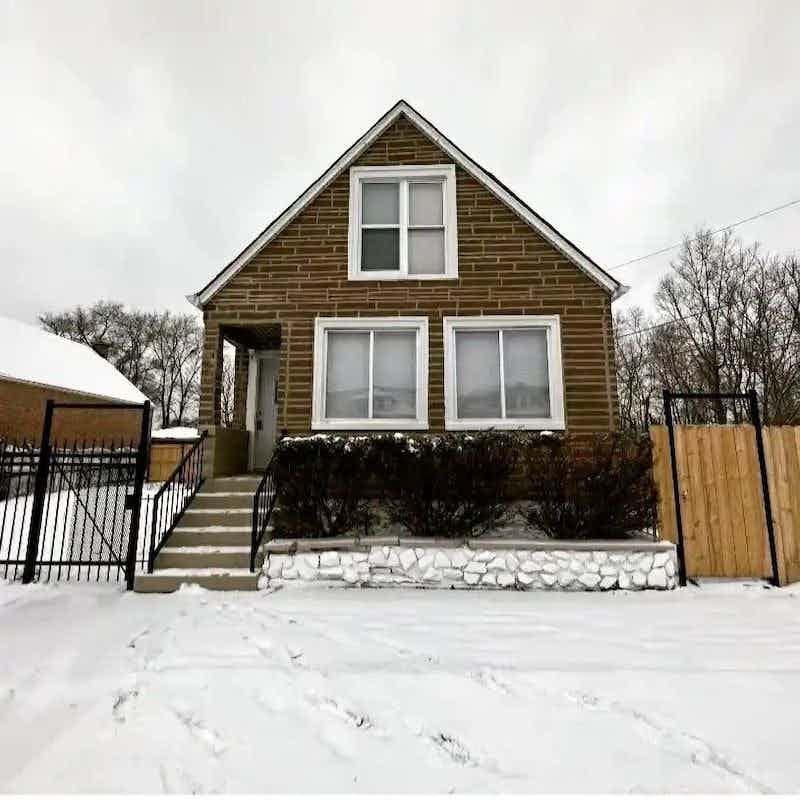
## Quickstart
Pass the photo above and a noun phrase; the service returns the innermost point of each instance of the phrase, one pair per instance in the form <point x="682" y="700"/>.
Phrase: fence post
<point x="762" y="463"/>
<point x="676" y="491"/>
<point x="39" y="493"/>
<point x="141" y="468"/>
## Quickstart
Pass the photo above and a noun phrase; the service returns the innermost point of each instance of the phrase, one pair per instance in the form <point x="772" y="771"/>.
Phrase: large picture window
<point x="370" y="373"/>
<point x="402" y="223"/>
<point x="503" y="372"/>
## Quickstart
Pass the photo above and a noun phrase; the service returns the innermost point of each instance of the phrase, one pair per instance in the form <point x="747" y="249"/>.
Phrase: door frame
<point x="255" y="360"/>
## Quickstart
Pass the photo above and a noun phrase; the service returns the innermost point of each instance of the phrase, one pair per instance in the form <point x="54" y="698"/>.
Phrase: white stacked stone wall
<point x="562" y="566"/>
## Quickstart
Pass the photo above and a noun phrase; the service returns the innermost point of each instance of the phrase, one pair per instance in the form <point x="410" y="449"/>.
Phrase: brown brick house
<point x="406" y="289"/>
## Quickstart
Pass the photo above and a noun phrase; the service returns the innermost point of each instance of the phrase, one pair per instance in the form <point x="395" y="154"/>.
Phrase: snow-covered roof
<point x="31" y="355"/>
<point x="176" y="433"/>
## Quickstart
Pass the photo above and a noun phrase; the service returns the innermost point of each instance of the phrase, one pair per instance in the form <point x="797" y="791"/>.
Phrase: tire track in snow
<point x="701" y="753"/>
<point x="210" y="738"/>
<point x="441" y="741"/>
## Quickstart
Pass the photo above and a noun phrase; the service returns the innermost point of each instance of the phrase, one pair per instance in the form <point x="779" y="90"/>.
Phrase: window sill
<point x="370" y="425"/>
<point x="384" y="276"/>
<point x="505" y="424"/>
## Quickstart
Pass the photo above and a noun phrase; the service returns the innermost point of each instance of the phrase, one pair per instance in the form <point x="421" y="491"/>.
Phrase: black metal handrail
<point x="174" y="496"/>
<point x="263" y="506"/>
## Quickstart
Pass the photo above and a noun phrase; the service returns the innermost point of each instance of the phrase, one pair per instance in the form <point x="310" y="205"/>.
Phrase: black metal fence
<point x="263" y="506"/>
<point x="71" y="510"/>
<point x="172" y="499"/>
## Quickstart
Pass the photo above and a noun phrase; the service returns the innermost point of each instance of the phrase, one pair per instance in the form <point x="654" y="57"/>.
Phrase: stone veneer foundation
<point x="493" y="564"/>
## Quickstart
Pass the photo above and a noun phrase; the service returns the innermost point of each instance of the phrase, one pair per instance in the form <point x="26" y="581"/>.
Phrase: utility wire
<point x="713" y="233"/>
<point x="664" y="324"/>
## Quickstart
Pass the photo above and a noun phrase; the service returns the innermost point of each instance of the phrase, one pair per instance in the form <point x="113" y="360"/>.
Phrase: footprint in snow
<point x="209" y="737"/>
<point x="488" y="679"/>
<point x="133" y="642"/>
<point x="353" y="718"/>
<point x="121" y="700"/>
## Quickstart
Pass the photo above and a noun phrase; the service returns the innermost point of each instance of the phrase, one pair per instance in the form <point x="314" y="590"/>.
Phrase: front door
<point x="266" y="408"/>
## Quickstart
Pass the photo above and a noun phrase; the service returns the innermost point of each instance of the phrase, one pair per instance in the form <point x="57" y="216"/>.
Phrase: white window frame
<point x="444" y="173"/>
<point x="552" y="325"/>
<point x="368" y="324"/>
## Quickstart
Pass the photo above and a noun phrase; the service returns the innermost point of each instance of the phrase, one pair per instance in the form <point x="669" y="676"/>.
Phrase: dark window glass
<point x="380" y="249"/>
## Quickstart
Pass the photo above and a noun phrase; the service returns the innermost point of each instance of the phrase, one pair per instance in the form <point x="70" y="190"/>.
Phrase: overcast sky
<point x="143" y="144"/>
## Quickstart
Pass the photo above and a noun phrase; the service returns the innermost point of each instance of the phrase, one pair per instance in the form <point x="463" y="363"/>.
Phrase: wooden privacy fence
<point x="722" y="502"/>
<point x="165" y="455"/>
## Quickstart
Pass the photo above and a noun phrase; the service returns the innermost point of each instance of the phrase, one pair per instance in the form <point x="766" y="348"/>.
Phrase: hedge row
<point x="460" y="485"/>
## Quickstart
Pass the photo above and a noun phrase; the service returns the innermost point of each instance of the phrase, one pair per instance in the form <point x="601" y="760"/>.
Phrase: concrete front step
<point x="170" y="580"/>
<point x="204" y="557"/>
<point x="218" y="536"/>
<point x="235" y="483"/>
<point x="221" y="501"/>
<point x="194" y="517"/>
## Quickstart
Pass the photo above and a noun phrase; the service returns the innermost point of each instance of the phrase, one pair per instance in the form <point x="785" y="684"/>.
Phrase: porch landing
<point x="210" y="546"/>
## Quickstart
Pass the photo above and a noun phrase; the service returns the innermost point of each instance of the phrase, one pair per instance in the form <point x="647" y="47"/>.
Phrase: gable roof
<point x="492" y="183"/>
<point x="31" y="355"/>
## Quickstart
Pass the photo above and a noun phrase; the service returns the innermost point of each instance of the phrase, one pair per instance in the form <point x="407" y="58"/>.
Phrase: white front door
<point x="265" y="407"/>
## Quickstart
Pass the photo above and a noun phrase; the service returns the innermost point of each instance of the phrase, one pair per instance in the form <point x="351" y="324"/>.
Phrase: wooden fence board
<point x="662" y="475"/>
<point x="784" y="472"/>
<point x="752" y="502"/>
<point x="165" y="456"/>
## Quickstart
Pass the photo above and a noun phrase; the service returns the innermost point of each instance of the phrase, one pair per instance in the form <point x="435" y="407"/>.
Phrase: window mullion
<point x="371" y="372"/>
<point x="404" y="227"/>
<point x="502" y="375"/>
<point x="325" y="373"/>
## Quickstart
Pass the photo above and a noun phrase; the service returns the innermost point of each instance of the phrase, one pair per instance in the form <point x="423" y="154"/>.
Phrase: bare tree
<point x="159" y="353"/>
<point x="635" y="375"/>
<point x="728" y="321"/>
<point x="227" y="388"/>
<point x="177" y="352"/>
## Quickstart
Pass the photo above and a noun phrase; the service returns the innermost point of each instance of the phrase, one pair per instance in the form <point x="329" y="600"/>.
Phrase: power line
<point x="713" y="233"/>
<point x="693" y="316"/>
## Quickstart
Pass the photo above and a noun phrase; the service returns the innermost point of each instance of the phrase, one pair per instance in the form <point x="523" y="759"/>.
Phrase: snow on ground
<point x="175" y="433"/>
<point x="326" y="690"/>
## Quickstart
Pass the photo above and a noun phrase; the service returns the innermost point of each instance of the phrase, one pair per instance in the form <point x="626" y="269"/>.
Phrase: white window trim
<point x="552" y="324"/>
<point x="321" y="327"/>
<point x="446" y="173"/>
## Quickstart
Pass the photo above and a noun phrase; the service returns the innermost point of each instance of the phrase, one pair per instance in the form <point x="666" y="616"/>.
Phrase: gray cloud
<point x="144" y="144"/>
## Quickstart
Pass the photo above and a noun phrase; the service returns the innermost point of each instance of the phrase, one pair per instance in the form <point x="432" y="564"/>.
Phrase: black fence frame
<point x="46" y="458"/>
<point x="174" y="496"/>
<point x="752" y="398"/>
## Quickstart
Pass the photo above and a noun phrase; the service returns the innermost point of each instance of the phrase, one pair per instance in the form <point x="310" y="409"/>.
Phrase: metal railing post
<point x="762" y="463"/>
<point x="39" y="492"/>
<point x="676" y="492"/>
<point x="141" y="468"/>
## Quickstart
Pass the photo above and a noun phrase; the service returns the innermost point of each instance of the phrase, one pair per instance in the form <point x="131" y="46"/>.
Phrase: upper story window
<point x="503" y="372"/>
<point x="403" y="223"/>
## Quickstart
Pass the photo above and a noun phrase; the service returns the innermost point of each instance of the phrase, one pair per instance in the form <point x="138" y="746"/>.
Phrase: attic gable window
<point x="403" y="223"/>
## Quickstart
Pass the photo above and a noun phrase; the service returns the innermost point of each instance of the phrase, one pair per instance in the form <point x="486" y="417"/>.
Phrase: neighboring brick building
<point x="36" y="366"/>
<point x="508" y="326"/>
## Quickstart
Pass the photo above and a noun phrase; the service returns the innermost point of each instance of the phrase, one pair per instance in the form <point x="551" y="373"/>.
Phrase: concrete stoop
<point x="210" y="546"/>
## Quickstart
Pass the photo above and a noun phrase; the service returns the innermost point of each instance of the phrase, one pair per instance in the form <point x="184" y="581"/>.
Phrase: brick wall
<point x="22" y="408"/>
<point x="504" y="268"/>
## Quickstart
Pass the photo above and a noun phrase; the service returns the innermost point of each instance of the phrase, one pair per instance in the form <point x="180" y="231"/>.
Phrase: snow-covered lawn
<point x="324" y="690"/>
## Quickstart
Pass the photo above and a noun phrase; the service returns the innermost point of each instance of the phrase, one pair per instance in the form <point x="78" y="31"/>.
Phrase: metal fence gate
<point x="71" y="510"/>
<point x="715" y="500"/>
